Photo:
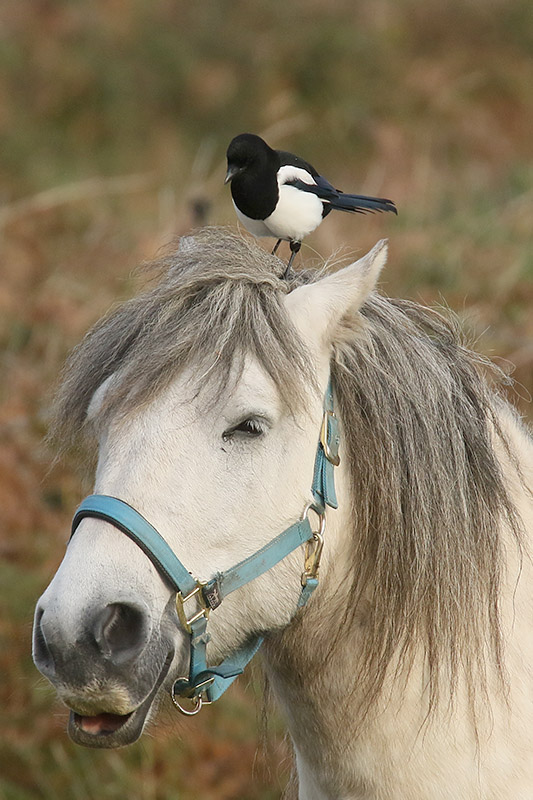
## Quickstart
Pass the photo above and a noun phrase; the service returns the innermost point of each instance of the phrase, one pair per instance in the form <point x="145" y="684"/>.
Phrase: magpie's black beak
<point x="233" y="170"/>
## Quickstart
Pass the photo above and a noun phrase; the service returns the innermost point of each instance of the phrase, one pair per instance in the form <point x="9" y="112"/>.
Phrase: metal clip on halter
<point x="313" y="547"/>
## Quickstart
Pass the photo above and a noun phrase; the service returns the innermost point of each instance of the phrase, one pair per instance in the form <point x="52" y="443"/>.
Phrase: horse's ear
<point x="317" y="308"/>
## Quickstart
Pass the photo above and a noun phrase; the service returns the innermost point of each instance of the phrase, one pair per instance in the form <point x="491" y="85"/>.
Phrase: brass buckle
<point x="332" y="457"/>
<point x="203" y="611"/>
<point x="313" y="547"/>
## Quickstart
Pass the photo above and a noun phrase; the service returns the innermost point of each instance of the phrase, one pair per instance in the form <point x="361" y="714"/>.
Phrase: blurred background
<point x="114" y="120"/>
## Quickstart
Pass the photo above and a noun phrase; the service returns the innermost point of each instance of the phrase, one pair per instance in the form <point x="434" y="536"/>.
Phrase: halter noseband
<point x="206" y="683"/>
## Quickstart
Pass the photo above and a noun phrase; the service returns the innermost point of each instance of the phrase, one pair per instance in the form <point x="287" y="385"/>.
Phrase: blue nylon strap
<point x="323" y="487"/>
<point x="307" y="590"/>
<point x="221" y="676"/>
<point x="258" y="563"/>
<point x="238" y="662"/>
<point x="134" y="525"/>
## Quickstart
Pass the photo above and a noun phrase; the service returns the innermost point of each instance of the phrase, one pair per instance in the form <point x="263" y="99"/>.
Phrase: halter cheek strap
<point x="327" y="456"/>
<point x="195" y="599"/>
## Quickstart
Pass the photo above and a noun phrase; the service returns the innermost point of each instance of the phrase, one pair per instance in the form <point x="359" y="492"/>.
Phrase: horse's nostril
<point x="121" y="631"/>
<point x="41" y="652"/>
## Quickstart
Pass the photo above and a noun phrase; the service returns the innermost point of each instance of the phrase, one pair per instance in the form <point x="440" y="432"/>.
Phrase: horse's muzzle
<point x="106" y="666"/>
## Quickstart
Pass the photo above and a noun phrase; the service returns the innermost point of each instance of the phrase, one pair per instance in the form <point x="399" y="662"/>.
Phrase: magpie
<point x="278" y="194"/>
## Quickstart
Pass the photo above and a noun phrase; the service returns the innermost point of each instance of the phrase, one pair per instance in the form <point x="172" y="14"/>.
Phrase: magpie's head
<point x="248" y="152"/>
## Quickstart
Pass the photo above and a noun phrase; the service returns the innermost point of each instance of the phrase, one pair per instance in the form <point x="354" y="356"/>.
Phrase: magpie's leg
<point x="295" y="248"/>
<point x="276" y="246"/>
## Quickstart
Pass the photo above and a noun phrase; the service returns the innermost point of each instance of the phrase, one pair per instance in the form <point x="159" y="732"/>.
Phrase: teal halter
<point x="206" y="683"/>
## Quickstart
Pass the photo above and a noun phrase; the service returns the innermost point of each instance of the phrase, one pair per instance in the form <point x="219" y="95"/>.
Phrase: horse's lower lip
<point x="115" y="730"/>
<point x="101" y="724"/>
<point x="109" y="730"/>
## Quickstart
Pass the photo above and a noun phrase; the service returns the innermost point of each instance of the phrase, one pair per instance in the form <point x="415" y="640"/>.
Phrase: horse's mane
<point x="429" y="498"/>
<point x="419" y="423"/>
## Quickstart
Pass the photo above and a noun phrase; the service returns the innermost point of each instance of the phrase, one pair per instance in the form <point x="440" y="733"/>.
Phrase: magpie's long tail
<point x="360" y="204"/>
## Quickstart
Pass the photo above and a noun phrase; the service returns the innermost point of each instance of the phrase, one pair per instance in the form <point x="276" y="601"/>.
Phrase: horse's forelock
<point x="216" y="299"/>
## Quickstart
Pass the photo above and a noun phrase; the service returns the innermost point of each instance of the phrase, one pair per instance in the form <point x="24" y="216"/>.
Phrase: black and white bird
<point x="278" y="194"/>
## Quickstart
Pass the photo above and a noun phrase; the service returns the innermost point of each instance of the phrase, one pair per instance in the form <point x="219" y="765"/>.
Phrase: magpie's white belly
<point x="255" y="226"/>
<point x="296" y="214"/>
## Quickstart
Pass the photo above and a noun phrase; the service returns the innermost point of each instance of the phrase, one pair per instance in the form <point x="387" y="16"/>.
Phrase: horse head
<point x="216" y="450"/>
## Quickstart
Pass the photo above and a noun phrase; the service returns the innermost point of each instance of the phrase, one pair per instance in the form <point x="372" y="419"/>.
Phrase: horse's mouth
<point x="114" y="730"/>
<point x="108" y="730"/>
<point x="101" y="724"/>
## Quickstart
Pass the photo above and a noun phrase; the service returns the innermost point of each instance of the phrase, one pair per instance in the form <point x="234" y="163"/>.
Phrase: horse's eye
<point x="250" y="427"/>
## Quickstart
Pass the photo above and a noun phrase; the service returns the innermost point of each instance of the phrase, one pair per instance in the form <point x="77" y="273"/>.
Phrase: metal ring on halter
<point x="189" y="712"/>
<point x="320" y="514"/>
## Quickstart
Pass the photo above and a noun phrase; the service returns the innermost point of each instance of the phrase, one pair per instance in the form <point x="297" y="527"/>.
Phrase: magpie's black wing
<point x="321" y="187"/>
<point x="290" y="160"/>
<point x="329" y="195"/>
<point x="357" y="203"/>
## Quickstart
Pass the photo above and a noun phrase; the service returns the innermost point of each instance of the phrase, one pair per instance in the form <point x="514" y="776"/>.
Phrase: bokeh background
<point x="114" y="120"/>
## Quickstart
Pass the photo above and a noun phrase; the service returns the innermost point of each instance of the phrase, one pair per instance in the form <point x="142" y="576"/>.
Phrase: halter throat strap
<point x="195" y="599"/>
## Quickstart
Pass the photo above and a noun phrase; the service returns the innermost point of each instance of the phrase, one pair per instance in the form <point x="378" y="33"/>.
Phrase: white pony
<point x="406" y="674"/>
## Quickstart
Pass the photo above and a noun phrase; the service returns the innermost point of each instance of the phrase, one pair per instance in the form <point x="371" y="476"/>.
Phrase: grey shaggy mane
<point x="428" y="494"/>
<point x="218" y="298"/>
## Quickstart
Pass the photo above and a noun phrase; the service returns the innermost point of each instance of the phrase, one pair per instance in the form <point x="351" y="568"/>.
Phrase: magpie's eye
<point x="250" y="427"/>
